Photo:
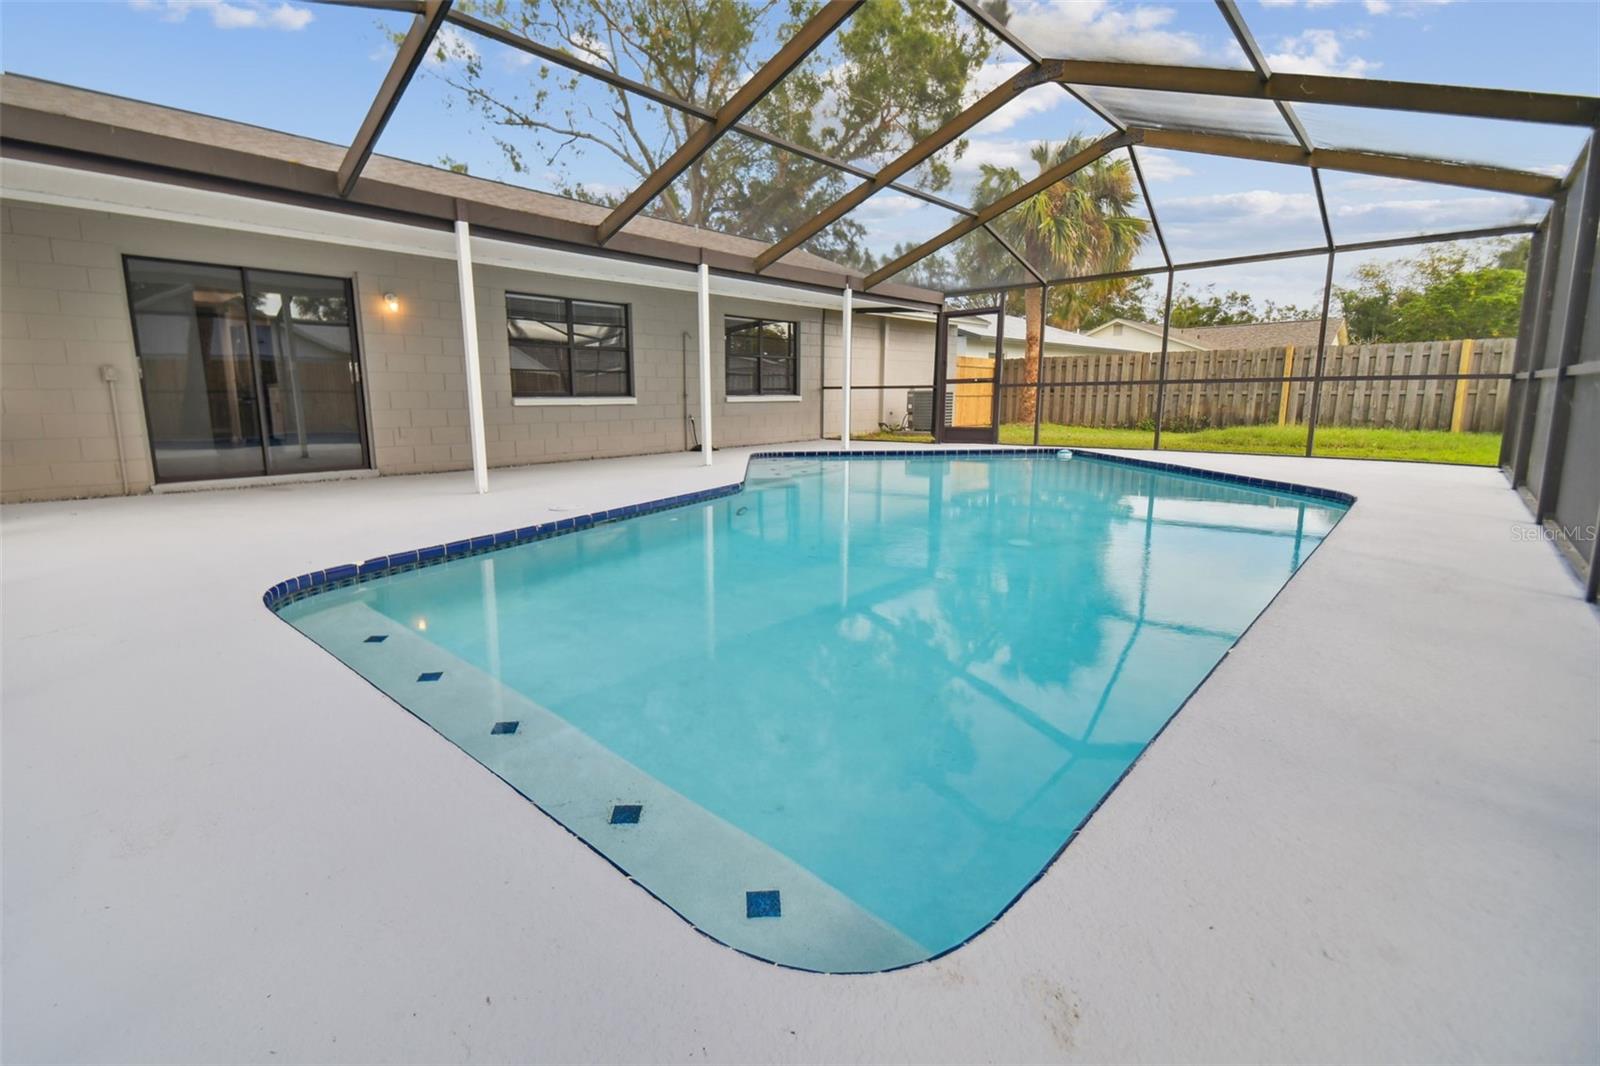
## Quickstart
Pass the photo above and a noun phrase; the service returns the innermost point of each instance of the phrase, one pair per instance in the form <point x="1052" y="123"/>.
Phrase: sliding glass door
<point x="246" y="372"/>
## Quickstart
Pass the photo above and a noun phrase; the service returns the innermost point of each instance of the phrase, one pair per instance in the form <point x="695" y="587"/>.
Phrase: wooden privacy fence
<point x="1118" y="388"/>
<point x="972" y="404"/>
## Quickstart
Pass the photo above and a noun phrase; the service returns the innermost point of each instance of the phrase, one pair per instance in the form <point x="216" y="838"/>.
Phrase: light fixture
<point x="391" y="301"/>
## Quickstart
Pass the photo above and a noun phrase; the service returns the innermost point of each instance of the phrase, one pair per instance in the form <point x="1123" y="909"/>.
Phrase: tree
<point x="1447" y="292"/>
<point x="1513" y="253"/>
<point x="1207" y="308"/>
<point x="891" y="75"/>
<point x="1078" y="225"/>
<point x="1134" y="299"/>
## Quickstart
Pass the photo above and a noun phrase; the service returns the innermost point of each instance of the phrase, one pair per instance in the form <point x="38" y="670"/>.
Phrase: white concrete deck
<point x="1374" y="834"/>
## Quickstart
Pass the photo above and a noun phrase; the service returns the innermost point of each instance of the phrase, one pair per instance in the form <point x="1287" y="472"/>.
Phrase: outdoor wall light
<point x="391" y="301"/>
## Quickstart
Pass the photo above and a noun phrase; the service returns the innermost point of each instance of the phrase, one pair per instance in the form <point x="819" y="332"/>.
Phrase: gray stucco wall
<point x="64" y="315"/>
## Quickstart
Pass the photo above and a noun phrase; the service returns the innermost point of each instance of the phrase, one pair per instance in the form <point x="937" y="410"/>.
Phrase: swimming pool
<point x="842" y="717"/>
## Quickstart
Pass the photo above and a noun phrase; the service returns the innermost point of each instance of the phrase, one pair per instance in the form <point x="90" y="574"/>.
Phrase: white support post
<point x="469" y="342"/>
<point x="705" y="362"/>
<point x="848" y="329"/>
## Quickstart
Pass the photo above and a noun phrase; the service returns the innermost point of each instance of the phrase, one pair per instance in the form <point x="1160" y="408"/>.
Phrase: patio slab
<point x="1373" y="834"/>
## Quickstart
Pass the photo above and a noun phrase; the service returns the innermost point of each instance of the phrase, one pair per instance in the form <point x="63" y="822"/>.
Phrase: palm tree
<point x="1079" y="225"/>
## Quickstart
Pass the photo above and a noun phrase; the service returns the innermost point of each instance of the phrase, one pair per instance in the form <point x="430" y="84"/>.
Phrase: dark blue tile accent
<point x="403" y="558"/>
<point x="482" y="542"/>
<point x="457" y="547"/>
<point x="626" y="814"/>
<point x="372" y="566"/>
<point x="435" y="551"/>
<point x="431" y="675"/>
<point x="762" y="904"/>
<point x="376" y="638"/>
<point x="504" y="727"/>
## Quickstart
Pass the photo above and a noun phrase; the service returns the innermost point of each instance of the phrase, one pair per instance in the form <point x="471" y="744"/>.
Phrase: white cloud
<point x="239" y="15"/>
<point x="1312" y="5"/>
<point x="450" y="45"/>
<point x="1159" y="166"/>
<point x="1247" y="205"/>
<point x="888" y="205"/>
<point x="1034" y="101"/>
<point x="1363" y="206"/>
<point x="1440" y="214"/>
<point x="995" y="151"/>
<point x="1319" y="52"/>
<point x="1101" y="30"/>
<point x="1402" y="8"/>
<point x="590" y="47"/>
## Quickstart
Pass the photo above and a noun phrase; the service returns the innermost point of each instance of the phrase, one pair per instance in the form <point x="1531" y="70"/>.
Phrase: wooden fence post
<point x="1283" y="394"/>
<point x="1459" y="410"/>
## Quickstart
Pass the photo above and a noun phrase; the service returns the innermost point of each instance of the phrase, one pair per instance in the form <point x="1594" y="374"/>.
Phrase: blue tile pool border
<point x="349" y="574"/>
<point x="310" y="584"/>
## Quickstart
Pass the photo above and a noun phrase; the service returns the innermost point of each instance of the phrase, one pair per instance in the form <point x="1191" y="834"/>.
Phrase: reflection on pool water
<point x="841" y="719"/>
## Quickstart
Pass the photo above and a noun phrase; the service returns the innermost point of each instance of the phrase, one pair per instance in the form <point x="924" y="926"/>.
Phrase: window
<point x="568" y="347"/>
<point x="762" y="357"/>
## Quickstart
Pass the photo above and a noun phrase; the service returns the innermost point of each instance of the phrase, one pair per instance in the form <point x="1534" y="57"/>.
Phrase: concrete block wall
<point x="64" y="315"/>
<point x="887" y="350"/>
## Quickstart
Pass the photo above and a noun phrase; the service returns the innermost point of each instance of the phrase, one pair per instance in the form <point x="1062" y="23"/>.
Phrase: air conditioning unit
<point x="920" y="403"/>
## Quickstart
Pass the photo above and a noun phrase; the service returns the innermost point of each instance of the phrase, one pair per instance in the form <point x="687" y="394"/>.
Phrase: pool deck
<point x="1373" y="834"/>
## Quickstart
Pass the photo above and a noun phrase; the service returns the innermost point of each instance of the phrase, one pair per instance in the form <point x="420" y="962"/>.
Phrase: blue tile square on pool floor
<point x="505" y="727"/>
<point x="762" y="905"/>
<point x="626" y="814"/>
<point x="431" y="675"/>
<point x="376" y="638"/>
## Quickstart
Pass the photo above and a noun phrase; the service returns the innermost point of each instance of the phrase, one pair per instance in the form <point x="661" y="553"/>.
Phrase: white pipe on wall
<point x="847" y="328"/>
<point x="705" y="362"/>
<point x="108" y="374"/>
<point x="469" y="342"/>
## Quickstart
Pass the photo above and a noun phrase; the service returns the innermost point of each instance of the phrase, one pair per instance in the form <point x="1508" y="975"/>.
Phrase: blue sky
<point x="311" y="69"/>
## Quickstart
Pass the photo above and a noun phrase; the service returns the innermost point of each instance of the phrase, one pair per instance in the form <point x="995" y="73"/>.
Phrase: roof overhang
<point x="31" y="180"/>
<point x="69" y="142"/>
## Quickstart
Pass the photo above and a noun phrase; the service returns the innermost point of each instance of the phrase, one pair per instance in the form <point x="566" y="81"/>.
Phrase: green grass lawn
<point x="1432" y="446"/>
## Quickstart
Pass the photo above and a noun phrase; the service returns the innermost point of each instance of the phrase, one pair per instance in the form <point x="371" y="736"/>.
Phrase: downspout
<point x="883" y="365"/>
<point x="847" y="319"/>
<point x="688" y="419"/>
<point x="822" y="377"/>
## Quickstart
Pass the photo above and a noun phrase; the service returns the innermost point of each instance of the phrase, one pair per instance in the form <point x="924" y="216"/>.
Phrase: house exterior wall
<point x="64" y="315"/>
<point x="888" y="350"/>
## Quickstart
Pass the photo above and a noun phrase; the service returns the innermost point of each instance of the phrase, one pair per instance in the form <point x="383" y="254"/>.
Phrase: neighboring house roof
<point x="1299" y="332"/>
<point x="1016" y="328"/>
<point x="168" y="144"/>
<point x="1116" y="326"/>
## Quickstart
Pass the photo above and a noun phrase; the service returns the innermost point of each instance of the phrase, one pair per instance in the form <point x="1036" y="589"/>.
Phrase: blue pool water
<point x="874" y="696"/>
